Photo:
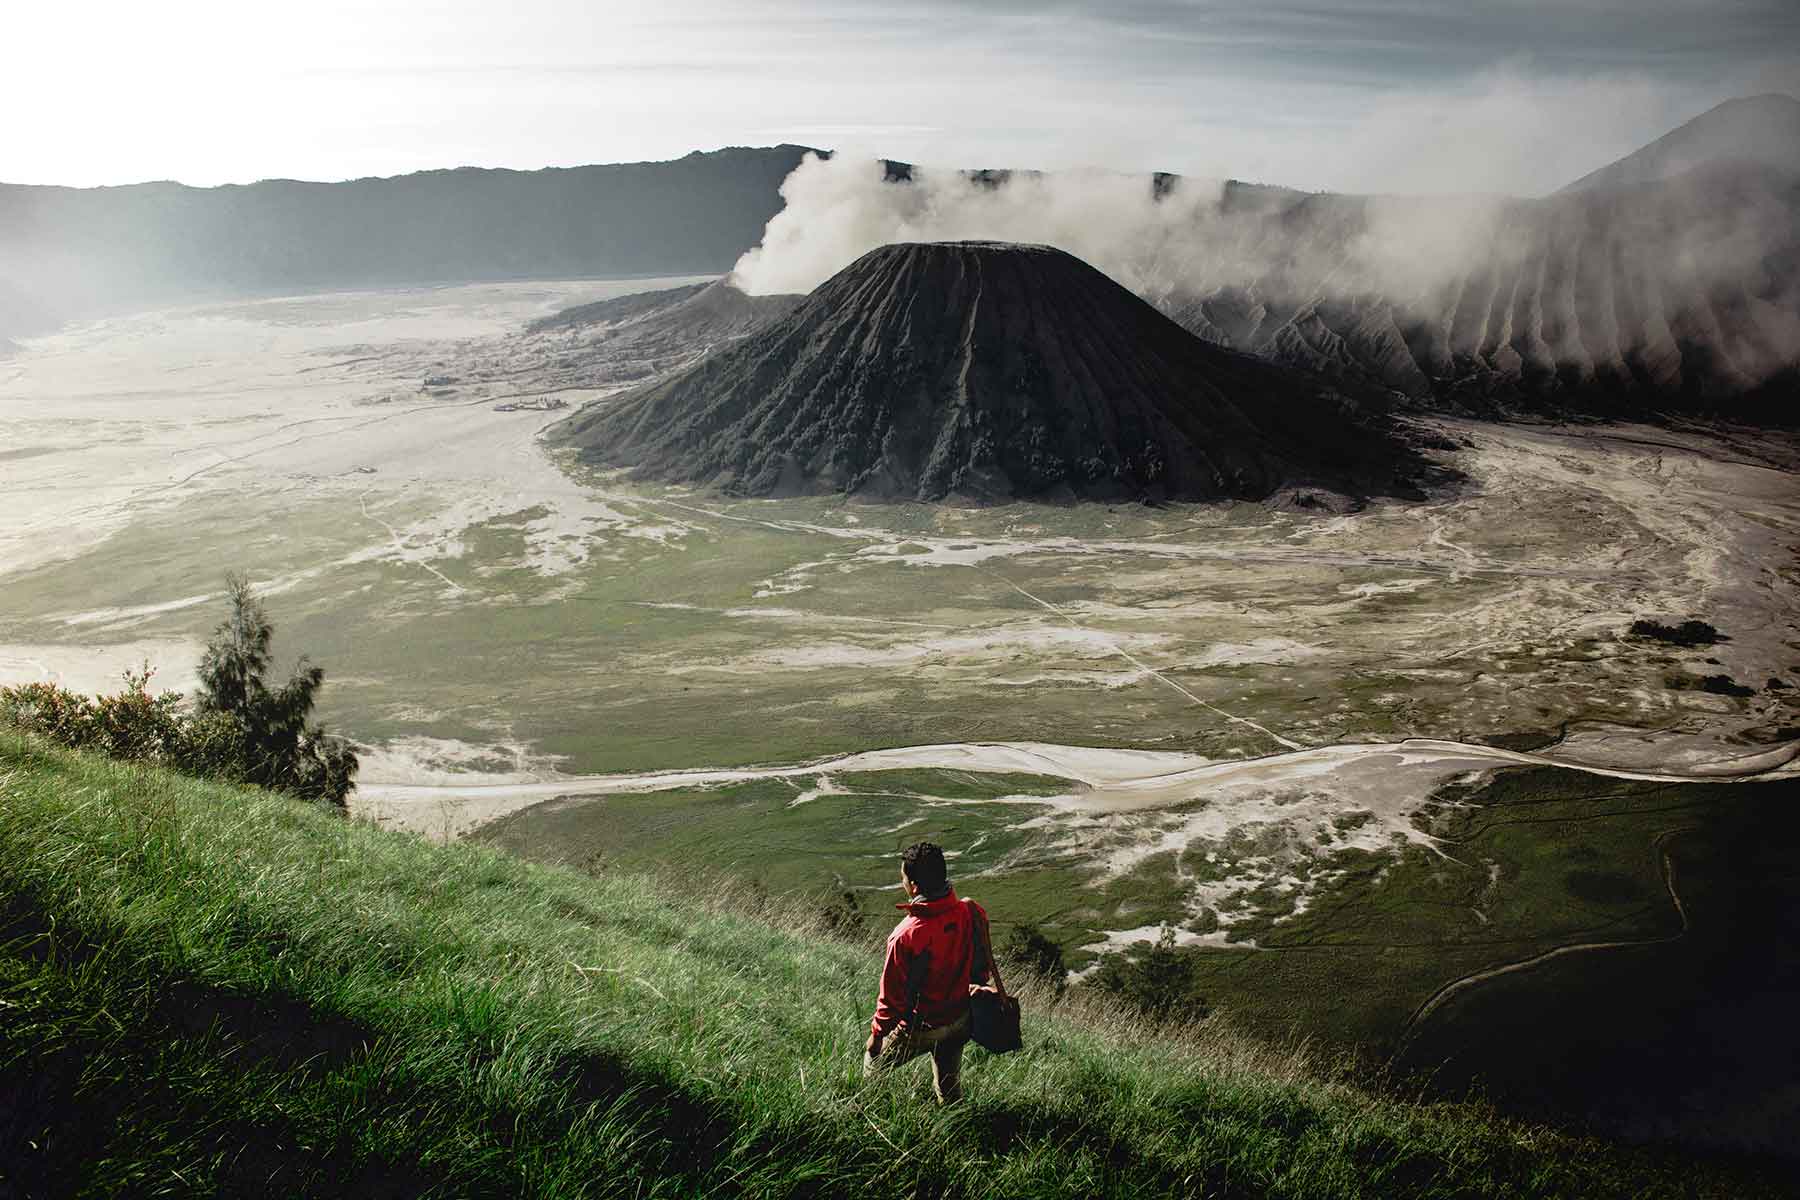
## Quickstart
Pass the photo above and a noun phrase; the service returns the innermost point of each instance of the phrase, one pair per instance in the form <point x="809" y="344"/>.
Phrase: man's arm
<point x="892" y="1000"/>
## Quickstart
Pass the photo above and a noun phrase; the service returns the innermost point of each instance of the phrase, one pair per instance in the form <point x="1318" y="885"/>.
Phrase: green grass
<point x="1044" y="875"/>
<point x="208" y="990"/>
<point x="1535" y="860"/>
<point x="1697" y="1015"/>
<point x="1498" y="889"/>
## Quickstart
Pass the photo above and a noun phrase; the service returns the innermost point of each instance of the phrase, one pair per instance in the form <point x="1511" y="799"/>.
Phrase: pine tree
<point x="277" y="746"/>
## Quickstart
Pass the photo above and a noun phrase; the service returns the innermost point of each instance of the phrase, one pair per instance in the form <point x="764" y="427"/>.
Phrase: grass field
<point x="212" y="990"/>
<point x="1527" y="862"/>
<point x="847" y="841"/>
<point x="1683" y="1026"/>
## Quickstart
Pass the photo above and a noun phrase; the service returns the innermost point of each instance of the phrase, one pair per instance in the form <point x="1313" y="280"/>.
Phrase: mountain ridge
<point x="1681" y="295"/>
<point x="77" y="253"/>
<point x="1763" y="129"/>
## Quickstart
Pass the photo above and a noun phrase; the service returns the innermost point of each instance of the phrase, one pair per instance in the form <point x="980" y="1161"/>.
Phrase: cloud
<point x="1156" y="238"/>
<point x="1464" y="149"/>
<point x="839" y="208"/>
<point x="1508" y="131"/>
<point x="1244" y="252"/>
<point x="1289" y="91"/>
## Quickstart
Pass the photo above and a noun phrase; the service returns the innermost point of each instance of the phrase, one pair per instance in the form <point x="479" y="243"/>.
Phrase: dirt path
<point x="1141" y="665"/>
<point x="362" y="502"/>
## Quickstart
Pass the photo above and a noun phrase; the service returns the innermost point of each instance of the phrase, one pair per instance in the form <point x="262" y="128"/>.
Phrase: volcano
<point x="1763" y="130"/>
<point x="988" y="371"/>
<point x="1667" y="282"/>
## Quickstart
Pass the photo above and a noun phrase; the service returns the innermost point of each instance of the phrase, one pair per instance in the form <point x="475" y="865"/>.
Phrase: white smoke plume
<point x="1522" y="284"/>
<point x="840" y="208"/>
<point x="1151" y="240"/>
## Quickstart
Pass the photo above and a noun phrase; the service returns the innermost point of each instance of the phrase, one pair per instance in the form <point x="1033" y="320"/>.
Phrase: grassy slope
<point x="754" y="831"/>
<point x="205" y="989"/>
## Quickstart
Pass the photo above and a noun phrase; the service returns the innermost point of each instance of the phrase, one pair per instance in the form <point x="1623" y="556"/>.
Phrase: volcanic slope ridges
<point x="988" y="371"/>
<point x="617" y="310"/>
<point x="1666" y="282"/>
<point x="701" y="312"/>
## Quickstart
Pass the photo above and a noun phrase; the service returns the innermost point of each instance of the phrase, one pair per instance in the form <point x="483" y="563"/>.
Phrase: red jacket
<point x="931" y="960"/>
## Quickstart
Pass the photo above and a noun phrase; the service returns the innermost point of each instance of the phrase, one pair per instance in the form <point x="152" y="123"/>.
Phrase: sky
<point x="1347" y="95"/>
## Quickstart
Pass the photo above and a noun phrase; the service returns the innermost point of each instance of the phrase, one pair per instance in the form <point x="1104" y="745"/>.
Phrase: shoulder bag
<point x="993" y="1015"/>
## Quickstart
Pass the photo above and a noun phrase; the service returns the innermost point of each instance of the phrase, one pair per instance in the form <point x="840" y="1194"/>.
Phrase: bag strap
<point x="987" y="948"/>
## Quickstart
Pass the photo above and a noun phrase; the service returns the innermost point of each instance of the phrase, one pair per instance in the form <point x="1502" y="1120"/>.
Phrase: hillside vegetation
<point x="208" y="989"/>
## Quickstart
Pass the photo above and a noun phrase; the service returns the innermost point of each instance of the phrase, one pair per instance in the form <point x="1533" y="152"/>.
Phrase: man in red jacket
<point x="935" y="953"/>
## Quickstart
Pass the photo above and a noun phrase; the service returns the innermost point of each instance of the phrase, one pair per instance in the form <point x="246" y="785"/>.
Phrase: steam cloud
<point x="1153" y="240"/>
<point x="1620" y="283"/>
<point x="1440" y="169"/>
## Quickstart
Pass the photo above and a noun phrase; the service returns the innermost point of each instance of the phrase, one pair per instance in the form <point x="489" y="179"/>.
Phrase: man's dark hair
<point x="923" y="863"/>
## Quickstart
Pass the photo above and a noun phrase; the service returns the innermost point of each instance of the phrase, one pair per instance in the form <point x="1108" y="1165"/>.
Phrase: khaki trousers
<point x="945" y="1044"/>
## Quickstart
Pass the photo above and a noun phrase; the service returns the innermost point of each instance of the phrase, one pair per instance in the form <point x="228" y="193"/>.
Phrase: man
<point x="935" y="953"/>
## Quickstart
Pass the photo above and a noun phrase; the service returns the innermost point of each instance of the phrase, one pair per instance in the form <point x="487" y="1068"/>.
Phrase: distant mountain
<point x="1676" y="295"/>
<point x="987" y="371"/>
<point x="618" y="310"/>
<point x="69" y="252"/>
<point x="1666" y="281"/>
<point x="697" y="315"/>
<point x="1755" y="129"/>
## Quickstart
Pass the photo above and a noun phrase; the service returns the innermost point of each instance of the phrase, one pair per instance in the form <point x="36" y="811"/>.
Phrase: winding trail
<point x="1141" y="665"/>
<point x="400" y="548"/>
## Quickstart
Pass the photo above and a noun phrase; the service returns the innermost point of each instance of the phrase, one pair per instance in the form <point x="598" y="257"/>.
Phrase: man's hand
<point x="874" y="1047"/>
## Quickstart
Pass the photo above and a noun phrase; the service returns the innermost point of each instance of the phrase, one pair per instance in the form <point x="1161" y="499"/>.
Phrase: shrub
<point x="238" y="730"/>
<point x="211" y="746"/>
<point x="843" y="918"/>
<point x="1688" y="633"/>
<point x="1724" y="685"/>
<point x="130" y="724"/>
<point x="49" y="711"/>
<point x="1717" y="685"/>
<point x="1160" y="979"/>
<point x="134" y="725"/>
<point x="1028" y="949"/>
